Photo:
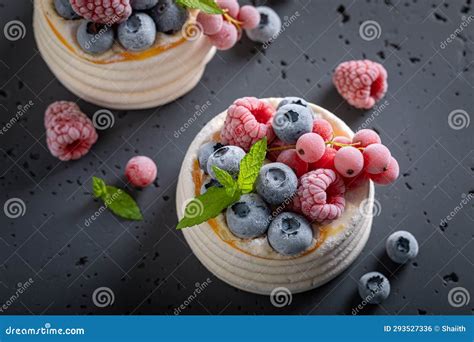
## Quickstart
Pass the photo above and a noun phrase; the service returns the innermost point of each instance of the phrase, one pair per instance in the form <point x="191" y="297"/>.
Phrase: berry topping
<point x="103" y="11"/>
<point x="209" y="183"/>
<point x="268" y="28"/>
<point x="276" y="183"/>
<point x="226" y="37"/>
<point x="168" y="16"/>
<point x="248" y="217"/>
<point x="94" y="38"/>
<point x="290" y="234"/>
<point x="290" y="158"/>
<point x="292" y="121"/>
<point x="249" y="16"/>
<point x="374" y="287"/>
<point x="321" y="194"/>
<point x="248" y="120"/>
<point x="210" y="23"/>
<point x="310" y="147"/>
<point x="293" y="100"/>
<point x="137" y="33"/>
<point x="376" y="158"/>
<point x="349" y="161"/>
<point x="143" y="4"/>
<point x="140" y="171"/>
<point x="401" y="247"/>
<point x="341" y="140"/>
<point x="205" y="151"/>
<point x="326" y="161"/>
<point x="69" y="132"/>
<point x="65" y="10"/>
<point x="275" y="148"/>
<point x="323" y="128"/>
<point x="388" y="176"/>
<point x="226" y="158"/>
<point x="366" y="137"/>
<point x="361" y="83"/>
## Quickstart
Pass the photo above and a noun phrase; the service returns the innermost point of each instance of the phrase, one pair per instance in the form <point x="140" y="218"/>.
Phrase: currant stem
<point x="231" y="20"/>
<point x="334" y="143"/>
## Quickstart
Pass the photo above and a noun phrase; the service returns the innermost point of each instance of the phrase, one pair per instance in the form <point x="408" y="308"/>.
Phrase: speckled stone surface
<point x="148" y="265"/>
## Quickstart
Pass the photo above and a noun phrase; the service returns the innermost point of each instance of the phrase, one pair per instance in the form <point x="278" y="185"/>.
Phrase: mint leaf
<point x="122" y="204"/>
<point x="226" y="180"/>
<point x="207" y="6"/>
<point x="99" y="187"/>
<point x="117" y="200"/>
<point x="250" y="166"/>
<point x="206" y="206"/>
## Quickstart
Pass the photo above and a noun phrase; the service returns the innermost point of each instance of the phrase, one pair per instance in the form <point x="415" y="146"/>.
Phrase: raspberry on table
<point x="361" y="82"/>
<point x="248" y="120"/>
<point x="69" y="132"/>
<point x="103" y="11"/>
<point x="321" y="195"/>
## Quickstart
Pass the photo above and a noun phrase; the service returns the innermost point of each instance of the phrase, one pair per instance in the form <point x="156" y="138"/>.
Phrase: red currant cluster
<point x="356" y="160"/>
<point x="224" y="30"/>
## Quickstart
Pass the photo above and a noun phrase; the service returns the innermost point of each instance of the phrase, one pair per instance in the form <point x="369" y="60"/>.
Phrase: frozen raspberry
<point x="323" y="128"/>
<point x="321" y="194"/>
<point x="140" y="171"/>
<point x="361" y="83"/>
<point x="248" y="120"/>
<point x="103" y="11"/>
<point x="69" y="132"/>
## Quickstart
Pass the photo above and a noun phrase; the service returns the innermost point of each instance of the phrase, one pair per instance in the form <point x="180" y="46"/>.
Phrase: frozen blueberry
<point x="143" y="4"/>
<point x="249" y="217"/>
<point x="374" y="287"/>
<point x="401" y="246"/>
<point x="269" y="27"/>
<point x="64" y="9"/>
<point x="94" y="38"/>
<point x="209" y="183"/>
<point x="226" y="158"/>
<point x="137" y="33"/>
<point x="276" y="183"/>
<point x="168" y="16"/>
<point x="293" y="100"/>
<point x="292" y="121"/>
<point x="290" y="234"/>
<point x="205" y="151"/>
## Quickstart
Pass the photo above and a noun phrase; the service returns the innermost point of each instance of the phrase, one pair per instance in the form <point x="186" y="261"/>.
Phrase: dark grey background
<point x="148" y="265"/>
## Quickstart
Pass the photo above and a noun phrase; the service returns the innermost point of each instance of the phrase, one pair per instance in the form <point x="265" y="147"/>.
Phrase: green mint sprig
<point x="117" y="200"/>
<point x="215" y="199"/>
<point x="207" y="6"/>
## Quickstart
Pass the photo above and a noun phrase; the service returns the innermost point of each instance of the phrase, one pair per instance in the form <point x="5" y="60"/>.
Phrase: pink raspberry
<point x="140" y="171"/>
<point x="248" y="120"/>
<point x="69" y="132"/>
<point x="321" y="194"/>
<point x="361" y="83"/>
<point x="103" y="11"/>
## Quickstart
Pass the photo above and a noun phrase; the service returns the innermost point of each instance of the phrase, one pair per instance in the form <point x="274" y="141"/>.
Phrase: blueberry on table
<point x="268" y="28"/>
<point x="401" y="247"/>
<point x="249" y="217"/>
<point x="276" y="183"/>
<point x="292" y="121"/>
<point x="374" y="287"/>
<point x="290" y="234"/>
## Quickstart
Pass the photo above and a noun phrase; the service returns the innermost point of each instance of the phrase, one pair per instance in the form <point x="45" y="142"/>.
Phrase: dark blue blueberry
<point x="168" y="16"/>
<point x="226" y="158"/>
<point x="249" y="217"/>
<point x="292" y="121"/>
<point x="269" y="27"/>
<point x="209" y="183"/>
<point x="290" y="234"/>
<point x="293" y="100"/>
<point x="276" y="183"/>
<point x="374" y="287"/>
<point x="94" y="38"/>
<point x="143" y="4"/>
<point x="64" y="9"/>
<point x="138" y="32"/>
<point x="401" y="246"/>
<point x="205" y="151"/>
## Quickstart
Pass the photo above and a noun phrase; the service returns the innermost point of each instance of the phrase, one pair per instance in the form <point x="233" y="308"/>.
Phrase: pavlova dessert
<point x="279" y="192"/>
<point x="132" y="54"/>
